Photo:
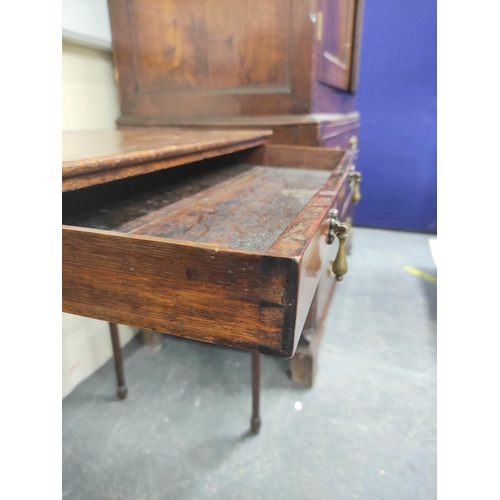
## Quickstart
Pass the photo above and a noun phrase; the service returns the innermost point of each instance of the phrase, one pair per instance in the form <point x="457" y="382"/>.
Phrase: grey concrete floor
<point x="366" y="430"/>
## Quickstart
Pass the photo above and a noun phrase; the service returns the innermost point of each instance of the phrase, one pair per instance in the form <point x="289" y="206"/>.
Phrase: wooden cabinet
<point x="209" y="235"/>
<point x="289" y="66"/>
<point x="179" y="59"/>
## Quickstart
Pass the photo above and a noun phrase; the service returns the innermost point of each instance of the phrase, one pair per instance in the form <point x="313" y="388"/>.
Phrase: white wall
<point x="89" y="101"/>
<point x="89" y="93"/>
<point x="86" y="22"/>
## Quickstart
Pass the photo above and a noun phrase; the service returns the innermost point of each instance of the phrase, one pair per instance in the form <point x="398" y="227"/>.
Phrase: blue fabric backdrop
<point x="397" y="101"/>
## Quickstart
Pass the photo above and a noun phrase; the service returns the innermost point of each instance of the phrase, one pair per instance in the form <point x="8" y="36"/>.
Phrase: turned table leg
<point x="256" y="368"/>
<point x="117" y="352"/>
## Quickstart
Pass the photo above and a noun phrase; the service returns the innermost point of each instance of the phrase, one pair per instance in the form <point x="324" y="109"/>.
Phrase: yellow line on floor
<point x="420" y="274"/>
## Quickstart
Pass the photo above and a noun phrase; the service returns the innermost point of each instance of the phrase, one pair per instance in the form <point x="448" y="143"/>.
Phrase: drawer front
<point x="337" y="138"/>
<point x="344" y="198"/>
<point x="316" y="259"/>
<point x="327" y="283"/>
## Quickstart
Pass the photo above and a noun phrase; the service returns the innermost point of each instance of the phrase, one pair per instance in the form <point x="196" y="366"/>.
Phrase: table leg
<point x="152" y="340"/>
<point x="304" y="363"/>
<point x="117" y="352"/>
<point x="256" y="369"/>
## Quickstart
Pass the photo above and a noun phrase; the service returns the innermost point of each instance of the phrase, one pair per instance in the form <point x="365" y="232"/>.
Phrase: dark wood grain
<point x="182" y="44"/>
<point x="220" y="58"/>
<point x="191" y="290"/>
<point x="95" y="157"/>
<point x="199" y="58"/>
<point x="248" y="212"/>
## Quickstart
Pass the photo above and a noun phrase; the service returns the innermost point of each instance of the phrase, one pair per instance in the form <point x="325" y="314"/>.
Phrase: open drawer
<point x="226" y="250"/>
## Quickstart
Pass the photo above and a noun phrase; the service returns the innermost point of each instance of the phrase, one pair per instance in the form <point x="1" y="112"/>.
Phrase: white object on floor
<point x="433" y="245"/>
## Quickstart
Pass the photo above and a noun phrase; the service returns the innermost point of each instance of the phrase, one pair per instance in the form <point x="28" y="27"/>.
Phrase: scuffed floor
<point x="366" y="430"/>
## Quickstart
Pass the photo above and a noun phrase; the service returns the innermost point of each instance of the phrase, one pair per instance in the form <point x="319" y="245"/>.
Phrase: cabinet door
<point x="194" y="58"/>
<point x="338" y="27"/>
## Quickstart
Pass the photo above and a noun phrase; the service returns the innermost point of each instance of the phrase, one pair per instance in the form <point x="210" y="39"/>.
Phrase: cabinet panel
<point x="183" y="45"/>
<point x="199" y="58"/>
<point x="336" y="41"/>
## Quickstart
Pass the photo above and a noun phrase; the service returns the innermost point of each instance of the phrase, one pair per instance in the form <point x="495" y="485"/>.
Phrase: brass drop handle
<point x="353" y="141"/>
<point x="339" y="229"/>
<point x="356" y="178"/>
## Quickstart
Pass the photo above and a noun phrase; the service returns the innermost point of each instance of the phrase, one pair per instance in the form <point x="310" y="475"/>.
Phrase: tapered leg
<point x="151" y="339"/>
<point x="304" y="363"/>
<point x="117" y="351"/>
<point x="256" y="366"/>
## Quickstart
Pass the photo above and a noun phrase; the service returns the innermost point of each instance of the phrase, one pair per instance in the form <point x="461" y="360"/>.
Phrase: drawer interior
<point x="224" y="202"/>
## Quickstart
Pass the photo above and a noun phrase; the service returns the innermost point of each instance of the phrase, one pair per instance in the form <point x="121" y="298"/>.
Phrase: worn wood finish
<point x="237" y="213"/>
<point x="229" y="207"/>
<point x="220" y="58"/>
<point x="199" y="58"/>
<point x="96" y="157"/>
<point x="190" y="290"/>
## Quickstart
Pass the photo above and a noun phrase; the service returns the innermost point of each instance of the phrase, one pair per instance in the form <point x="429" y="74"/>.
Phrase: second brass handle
<point x="341" y="230"/>
<point x="356" y="178"/>
<point x="339" y="265"/>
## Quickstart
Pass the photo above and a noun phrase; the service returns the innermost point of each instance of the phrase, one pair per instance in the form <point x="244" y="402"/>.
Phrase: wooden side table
<point x="209" y="235"/>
